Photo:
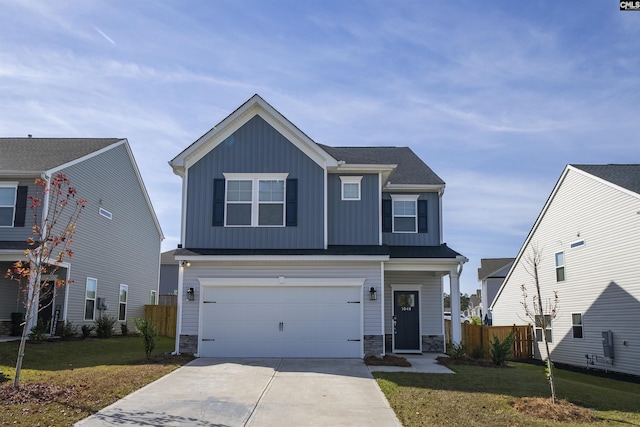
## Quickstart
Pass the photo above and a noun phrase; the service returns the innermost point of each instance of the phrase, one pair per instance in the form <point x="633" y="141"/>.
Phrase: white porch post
<point x="179" y="311"/>
<point x="456" y="330"/>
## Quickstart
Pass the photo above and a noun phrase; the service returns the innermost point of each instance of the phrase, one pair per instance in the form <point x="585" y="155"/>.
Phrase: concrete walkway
<point x="257" y="393"/>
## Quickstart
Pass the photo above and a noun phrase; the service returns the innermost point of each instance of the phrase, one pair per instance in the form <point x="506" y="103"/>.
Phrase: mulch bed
<point x="444" y="360"/>
<point x="387" y="360"/>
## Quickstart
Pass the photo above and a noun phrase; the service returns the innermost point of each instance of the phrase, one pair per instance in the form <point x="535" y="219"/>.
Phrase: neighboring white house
<point x="588" y="236"/>
<point x="491" y="275"/>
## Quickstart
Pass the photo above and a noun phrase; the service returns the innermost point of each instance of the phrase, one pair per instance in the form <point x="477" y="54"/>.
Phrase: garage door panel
<point x="305" y="321"/>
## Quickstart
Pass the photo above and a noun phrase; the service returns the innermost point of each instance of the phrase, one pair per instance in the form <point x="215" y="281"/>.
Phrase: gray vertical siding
<point x="431" y="238"/>
<point x="21" y="234"/>
<point x="354" y="222"/>
<point x="123" y="250"/>
<point x="255" y="148"/>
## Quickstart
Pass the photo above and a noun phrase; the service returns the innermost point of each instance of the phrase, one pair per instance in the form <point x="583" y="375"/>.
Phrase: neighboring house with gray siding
<point x="115" y="266"/>
<point x="587" y="235"/>
<point x="168" y="273"/>
<point x="293" y="248"/>
<point x="491" y="275"/>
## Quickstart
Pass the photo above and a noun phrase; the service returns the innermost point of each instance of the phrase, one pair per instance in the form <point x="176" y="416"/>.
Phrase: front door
<point x="406" y="310"/>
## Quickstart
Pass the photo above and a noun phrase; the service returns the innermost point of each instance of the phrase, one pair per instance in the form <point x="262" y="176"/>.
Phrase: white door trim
<point x="417" y="288"/>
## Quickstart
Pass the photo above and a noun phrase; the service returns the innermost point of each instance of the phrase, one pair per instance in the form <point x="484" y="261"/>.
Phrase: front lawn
<point x="479" y="396"/>
<point x="67" y="381"/>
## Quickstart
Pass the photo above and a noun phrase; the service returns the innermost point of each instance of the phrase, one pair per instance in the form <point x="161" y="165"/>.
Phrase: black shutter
<point x="292" y="203"/>
<point x="387" y="216"/>
<point x="422" y="216"/>
<point x="218" y="202"/>
<point x="21" y="206"/>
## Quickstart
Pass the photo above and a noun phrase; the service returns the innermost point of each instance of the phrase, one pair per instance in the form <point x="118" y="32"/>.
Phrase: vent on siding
<point x="105" y="213"/>
<point x="578" y="244"/>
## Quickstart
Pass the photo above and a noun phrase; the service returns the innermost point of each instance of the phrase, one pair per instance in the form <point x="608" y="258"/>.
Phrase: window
<point x="90" y="298"/>
<point x="255" y="201"/>
<point x="405" y="214"/>
<point x="153" y="298"/>
<point x="560" y="267"/>
<point x="578" y="244"/>
<point x="543" y="323"/>
<point x="7" y="203"/>
<point x="576" y="320"/>
<point x="350" y="187"/>
<point x="122" y="302"/>
<point x="105" y="213"/>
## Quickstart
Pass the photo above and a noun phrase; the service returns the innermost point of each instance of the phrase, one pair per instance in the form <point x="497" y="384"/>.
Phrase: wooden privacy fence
<point x="477" y="336"/>
<point x="163" y="317"/>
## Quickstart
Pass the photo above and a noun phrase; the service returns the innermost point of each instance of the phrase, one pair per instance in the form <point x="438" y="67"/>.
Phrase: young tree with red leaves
<point x="47" y="249"/>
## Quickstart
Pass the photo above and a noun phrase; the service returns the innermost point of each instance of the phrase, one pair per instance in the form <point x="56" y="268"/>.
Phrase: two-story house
<point x="585" y="241"/>
<point x="115" y="266"/>
<point x="293" y="248"/>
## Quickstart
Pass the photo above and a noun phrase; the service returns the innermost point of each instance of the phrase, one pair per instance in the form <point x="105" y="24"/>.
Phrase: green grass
<point x="477" y="396"/>
<point x="95" y="372"/>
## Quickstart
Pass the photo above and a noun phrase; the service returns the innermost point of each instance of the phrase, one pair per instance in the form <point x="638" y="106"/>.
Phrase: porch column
<point x="456" y="330"/>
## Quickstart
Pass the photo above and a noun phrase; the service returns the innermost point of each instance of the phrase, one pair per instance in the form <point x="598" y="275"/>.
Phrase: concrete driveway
<point x="255" y="392"/>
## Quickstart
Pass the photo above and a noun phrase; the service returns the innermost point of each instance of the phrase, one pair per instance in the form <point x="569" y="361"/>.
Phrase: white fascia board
<point x="134" y="165"/>
<point x="12" y="255"/>
<point x="281" y="258"/>
<point x="20" y="174"/>
<point x="422" y="264"/>
<point x="280" y="281"/>
<point x="224" y="129"/>
<point x="362" y="168"/>
<point x="415" y="187"/>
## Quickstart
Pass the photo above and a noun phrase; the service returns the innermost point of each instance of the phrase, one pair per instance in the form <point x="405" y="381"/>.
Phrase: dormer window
<point x="350" y="186"/>
<point x="255" y="201"/>
<point x="405" y="213"/>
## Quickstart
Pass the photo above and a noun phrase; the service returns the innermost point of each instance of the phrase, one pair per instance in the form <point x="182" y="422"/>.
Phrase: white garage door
<point x="288" y="321"/>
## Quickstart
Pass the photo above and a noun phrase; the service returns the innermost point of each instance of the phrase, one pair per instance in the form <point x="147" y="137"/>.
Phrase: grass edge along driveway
<point x="479" y="396"/>
<point x="64" y="382"/>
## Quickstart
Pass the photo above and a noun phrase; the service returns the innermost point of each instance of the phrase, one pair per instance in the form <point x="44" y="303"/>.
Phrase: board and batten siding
<point x="122" y="250"/>
<point x="602" y="276"/>
<point x="21" y="234"/>
<point x="430" y="299"/>
<point x="317" y="270"/>
<point x="256" y="147"/>
<point x="431" y="237"/>
<point x="354" y="222"/>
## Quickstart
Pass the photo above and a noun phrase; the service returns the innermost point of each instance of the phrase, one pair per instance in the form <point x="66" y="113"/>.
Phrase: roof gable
<point x="624" y="176"/>
<point x="494" y="267"/>
<point x="254" y="106"/>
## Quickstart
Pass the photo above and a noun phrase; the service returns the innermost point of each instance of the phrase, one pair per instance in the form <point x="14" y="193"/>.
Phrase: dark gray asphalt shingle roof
<point x="411" y="169"/>
<point x="40" y="154"/>
<point x="626" y="176"/>
<point x="489" y="266"/>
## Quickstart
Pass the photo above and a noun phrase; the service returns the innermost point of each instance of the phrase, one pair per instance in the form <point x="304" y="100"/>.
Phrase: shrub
<point x="67" y="330"/>
<point x="16" y="324"/>
<point x="148" y="332"/>
<point x="501" y="351"/>
<point x="475" y="320"/>
<point x="477" y="352"/>
<point x="456" y="351"/>
<point x="86" y="330"/>
<point x="39" y="331"/>
<point x="104" y="326"/>
<point x="124" y="329"/>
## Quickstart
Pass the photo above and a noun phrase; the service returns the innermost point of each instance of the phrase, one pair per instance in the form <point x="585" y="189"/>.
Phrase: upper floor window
<point x="560" y="267"/>
<point x="255" y="201"/>
<point x="350" y="187"/>
<point x="405" y="213"/>
<point x="7" y="203"/>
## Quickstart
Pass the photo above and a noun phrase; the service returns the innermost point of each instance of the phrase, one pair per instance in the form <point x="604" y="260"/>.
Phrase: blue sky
<point x="496" y="97"/>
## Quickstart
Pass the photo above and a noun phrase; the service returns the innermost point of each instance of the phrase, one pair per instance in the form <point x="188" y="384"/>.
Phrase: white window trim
<point x="94" y="299"/>
<point x="126" y="302"/>
<point x="350" y="180"/>
<point x="564" y="269"/>
<point x="403" y="198"/>
<point x="105" y="213"/>
<point x="574" y="325"/>
<point x="14" y="185"/>
<point x="255" y="190"/>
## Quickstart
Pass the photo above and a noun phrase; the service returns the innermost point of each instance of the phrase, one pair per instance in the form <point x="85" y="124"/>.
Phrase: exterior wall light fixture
<point x="190" y="294"/>
<point x="373" y="295"/>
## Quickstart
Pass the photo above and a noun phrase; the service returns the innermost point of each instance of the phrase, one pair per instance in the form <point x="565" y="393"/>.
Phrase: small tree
<point x="541" y="314"/>
<point x="47" y="248"/>
<point x="149" y="333"/>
